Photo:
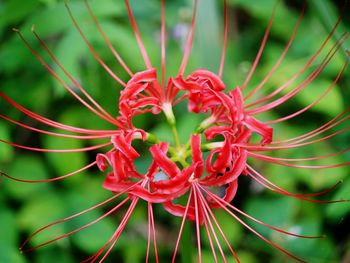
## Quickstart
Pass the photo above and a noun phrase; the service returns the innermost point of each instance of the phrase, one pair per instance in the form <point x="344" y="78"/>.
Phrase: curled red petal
<point x="224" y="157"/>
<point x="174" y="184"/>
<point x="211" y="79"/>
<point x="148" y="75"/>
<point x="261" y="128"/>
<point x="237" y="98"/>
<point x="169" y="167"/>
<point x="156" y="197"/>
<point x="130" y="91"/>
<point x="101" y="160"/>
<point x="112" y="184"/>
<point x="230" y="193"/>
<point x="244" y="135"/>
<point x="237" y="167"/>
<point x="197" y="157"/>
<point x="130" y="135"/>
<point x="179" y="210"/>
<point x="119" y="141"/>
<point x="214" y="131"/>
<point x="119" y="166"/>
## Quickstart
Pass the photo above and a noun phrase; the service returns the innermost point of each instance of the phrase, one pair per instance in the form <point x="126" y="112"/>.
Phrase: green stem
<point x="169" y="115"/>
<point x="152" y="139"/>
<point x="176" y="136"/>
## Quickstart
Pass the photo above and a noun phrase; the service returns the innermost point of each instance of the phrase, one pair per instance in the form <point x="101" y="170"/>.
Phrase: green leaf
<point x="208" y="37"/>
<point x="231" y="228"/>
<point x="247" y="257"/>
<point x="95" y="236"/>
<point x="68" y="52"/>
<point x="277" y="211"/>
<point x="9" y="238"/>
<point x="16" y="10"/>
<point x="11" y="255"/>
<point x="309" y="248"/>
<point x="187" y="124"/>
<point x="65" y="163"/>
<point x="338" y="211"/>
<point x="6" y="151"/>
<point x="330" y="105"/>
<point x="40" y="210"/>
<point x="28" y="167"/>
<point x="46" y="20"/>
<point x="55" y="254"/>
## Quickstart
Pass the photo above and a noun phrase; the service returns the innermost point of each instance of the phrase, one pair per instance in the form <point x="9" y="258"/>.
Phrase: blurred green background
<point x="26" y="207"/>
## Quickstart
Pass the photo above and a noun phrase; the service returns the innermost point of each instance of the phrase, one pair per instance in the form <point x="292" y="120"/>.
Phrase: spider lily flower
<point x="206" y="170"/>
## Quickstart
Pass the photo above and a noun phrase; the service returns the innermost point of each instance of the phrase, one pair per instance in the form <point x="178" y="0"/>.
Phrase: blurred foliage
<point x="26" y="207"/>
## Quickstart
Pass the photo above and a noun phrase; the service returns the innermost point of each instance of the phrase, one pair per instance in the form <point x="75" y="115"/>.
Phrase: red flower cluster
<point x="225" y="162"/>
<point x="181" y="171"/>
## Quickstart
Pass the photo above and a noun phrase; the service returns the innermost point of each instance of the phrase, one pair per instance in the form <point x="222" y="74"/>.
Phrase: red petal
<point x="148" y="75"/>
<point x="214" y="80"/>
<point x="174" y="184"/>
<point x="101" y="160"/>
<point x="197" y="155"/>
<point x="169" y="167"/>
<point x="230" y="193"/>
<point x="261" y="128"/>
<point x="120" y="143"/>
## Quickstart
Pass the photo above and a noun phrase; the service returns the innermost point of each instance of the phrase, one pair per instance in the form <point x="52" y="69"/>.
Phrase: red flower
<point x="182" y="171"/>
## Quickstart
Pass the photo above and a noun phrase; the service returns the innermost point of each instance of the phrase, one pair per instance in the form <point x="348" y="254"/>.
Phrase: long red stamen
<point x="148" y="235"/>
<point x="314" y="102"/>
<point x="84" y="149"/>
<point x="261" y="49"/>
<point x="276" y="161"/>
<point x="109" y="44"/>
<point x="254" y="231"/>
<point x="221" y="232"/>
<point x="271" y="186"/>
<point x="224" y="46"/>
<point x="163" y="42"/>
<point x="189" y="40"/>
<point x="153" y="233"/>
<point x="206" y="209"/>
<point x="138" y="36"/>
<point x="314" y="134"/>
<point x="76" y="84"/>
<point x="119" y="230"/>
<point x="79" y="137"/>
<point x="206" y="221"/>
<point x="269" y="74"/>
<point x="303" y="85"/>
<point x="223" y="204"/>
<point x="301" y="159"/>
<point x="70" y="217"/>
<point x="210" y="241"/>
<point x="54" y="74"/>
<point x="320" y="129"/>
<point x="78" y="229"/>
<point x="197" y="209"/>
<point x="336" y="46"/>
<point x="92" y="50"/>
<point x="290" y="146"/>
<point x="52" y="123"/>
<point x="182" y="227"/>
<point x="51" y="179"/>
